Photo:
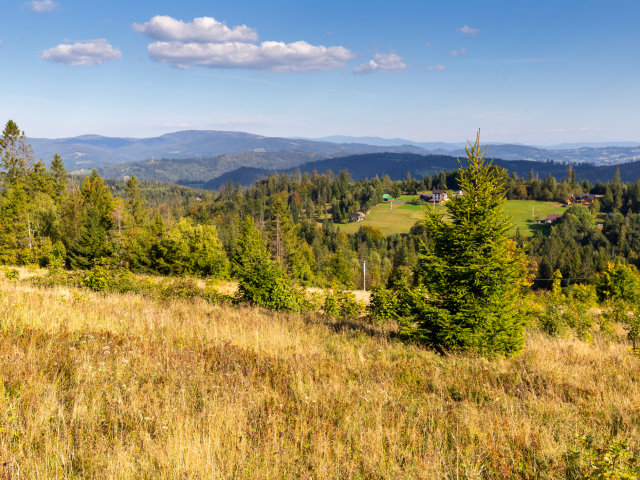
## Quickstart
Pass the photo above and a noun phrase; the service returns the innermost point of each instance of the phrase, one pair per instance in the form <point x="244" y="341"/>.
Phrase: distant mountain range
<point x="88" y="151"/>
<point x="91" y="151"/>
<point x="379" y="141"/>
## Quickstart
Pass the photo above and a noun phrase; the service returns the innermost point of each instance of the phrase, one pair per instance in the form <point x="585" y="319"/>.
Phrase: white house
<point x="440" y="196"/>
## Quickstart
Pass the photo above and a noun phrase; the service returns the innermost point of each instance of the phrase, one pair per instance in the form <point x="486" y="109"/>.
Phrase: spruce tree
<point x="136" y="202"/>
<point x="92" y="244"/>
<point x="471" y="268"/>
<point x="59" y="177"/>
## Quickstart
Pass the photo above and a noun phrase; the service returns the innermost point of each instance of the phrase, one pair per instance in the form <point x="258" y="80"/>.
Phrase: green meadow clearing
<point x="401" y="218"/>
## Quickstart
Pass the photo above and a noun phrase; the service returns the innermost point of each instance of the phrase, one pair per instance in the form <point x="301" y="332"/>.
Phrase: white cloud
<point x="455" y="53"/>
<point x="382" y="62"/>
<point x="201" y="30"/>
<point x="428" y="44"/>
<point x="43" y="6"/>
<point x="435" y="67"/>
<point x="87" y="53"/>
<point x="206" y="42"/>
<point x="272" y="56"/>
<point x="469" y="31"/>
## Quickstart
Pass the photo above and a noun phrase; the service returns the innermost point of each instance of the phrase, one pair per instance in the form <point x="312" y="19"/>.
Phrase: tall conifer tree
<point x="471" y="268"/>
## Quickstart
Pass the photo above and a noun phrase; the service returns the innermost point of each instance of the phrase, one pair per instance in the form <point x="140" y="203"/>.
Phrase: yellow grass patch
<point x="126" y="387"/>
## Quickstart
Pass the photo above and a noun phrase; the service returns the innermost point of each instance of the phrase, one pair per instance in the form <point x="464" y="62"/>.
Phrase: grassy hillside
<point x="119" y="386"/>
<point x="403" y="217"/>
<point x="398" y="220"/>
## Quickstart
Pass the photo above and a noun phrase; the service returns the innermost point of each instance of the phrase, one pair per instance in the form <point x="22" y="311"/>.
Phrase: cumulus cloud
<point x="87" y="53"/>
<point x="435" y="67"/>
<point x="272" y="56"/>
<point x="43" y="6"/>
<point x="382" y="62"/>
<point x="469" y="31"/>
<point x="201" y="30"/>
<point x="206" y="42"/>
<point x="455" y="53"/>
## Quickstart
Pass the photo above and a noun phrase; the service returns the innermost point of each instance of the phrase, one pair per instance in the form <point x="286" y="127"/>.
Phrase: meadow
<point x="525" y="215"/>
<point x="128" y="387"/>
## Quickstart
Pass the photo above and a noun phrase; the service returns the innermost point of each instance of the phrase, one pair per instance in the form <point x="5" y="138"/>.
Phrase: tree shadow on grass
<point x="389" y="330"/>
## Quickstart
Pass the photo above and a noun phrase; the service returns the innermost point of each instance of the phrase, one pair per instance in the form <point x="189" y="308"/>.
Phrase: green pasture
<point x="526" y="215"/>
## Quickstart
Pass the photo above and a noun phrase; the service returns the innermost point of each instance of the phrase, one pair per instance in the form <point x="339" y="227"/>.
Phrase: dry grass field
<point x="126" y="387"/>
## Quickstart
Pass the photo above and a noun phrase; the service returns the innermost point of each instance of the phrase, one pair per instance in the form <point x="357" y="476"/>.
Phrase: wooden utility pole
<point x="364" y="275"/>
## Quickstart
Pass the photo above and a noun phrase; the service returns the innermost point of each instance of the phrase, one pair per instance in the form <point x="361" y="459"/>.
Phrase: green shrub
<point x="552" y="320"/>
<point x="342" y="303"/>
<point x="12" y="274"/>
<point x="585" y="294"/>
<point x="26" y="256"/>
<point x="383" y="304"/>
<point x="106" y="277"/>
<point x="49" y="253"/>
<point x="618" y="281"/>
<point x="608" y="460"/>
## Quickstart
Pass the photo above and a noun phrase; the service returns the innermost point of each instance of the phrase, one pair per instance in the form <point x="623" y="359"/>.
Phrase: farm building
<point x="583" y="199"/>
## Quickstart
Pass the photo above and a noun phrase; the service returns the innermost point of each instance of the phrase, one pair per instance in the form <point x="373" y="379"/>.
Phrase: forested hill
<point x="396" y="165"/>
<point x="200" y="170"/>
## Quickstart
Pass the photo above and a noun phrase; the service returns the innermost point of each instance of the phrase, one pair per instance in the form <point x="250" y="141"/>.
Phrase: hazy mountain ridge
<point x="89" y="151"/>
<point x="95" y="151"/>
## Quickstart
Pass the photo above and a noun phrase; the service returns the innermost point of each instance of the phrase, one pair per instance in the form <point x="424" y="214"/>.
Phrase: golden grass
<point x="125" y="387"/>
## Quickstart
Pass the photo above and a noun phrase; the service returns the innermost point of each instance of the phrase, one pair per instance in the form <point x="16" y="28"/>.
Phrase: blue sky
<point x="541" y="72"/>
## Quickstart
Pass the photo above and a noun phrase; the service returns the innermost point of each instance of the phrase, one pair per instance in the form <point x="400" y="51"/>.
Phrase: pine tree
<point x="92" y="244"/>
<point x="59" y="177"/>
<point x="96" y="220"/>
<point x="471" y="268"/>
<point x="136" y="202"/>
<point x="13" y="165"/>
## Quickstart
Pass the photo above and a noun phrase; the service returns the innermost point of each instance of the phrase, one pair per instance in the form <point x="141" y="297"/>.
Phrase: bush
<point x="26" y="257"/>
<point x="185" y="288"/>
<point x="342" y="303"/>
<point x="383" y="304"/>
<point x="618" y="281"/>
<point x="608" y="460"/>
<point x="552" y="321"/>
<point x="12" y="274"/>
<point x="585" y="295"/>
<point x="105" y="277"/>
<point x="49" y="253"/>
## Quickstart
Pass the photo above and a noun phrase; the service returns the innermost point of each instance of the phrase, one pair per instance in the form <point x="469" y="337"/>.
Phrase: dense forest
<point x="247" y="168"/>
<point x="49" y="216"/>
